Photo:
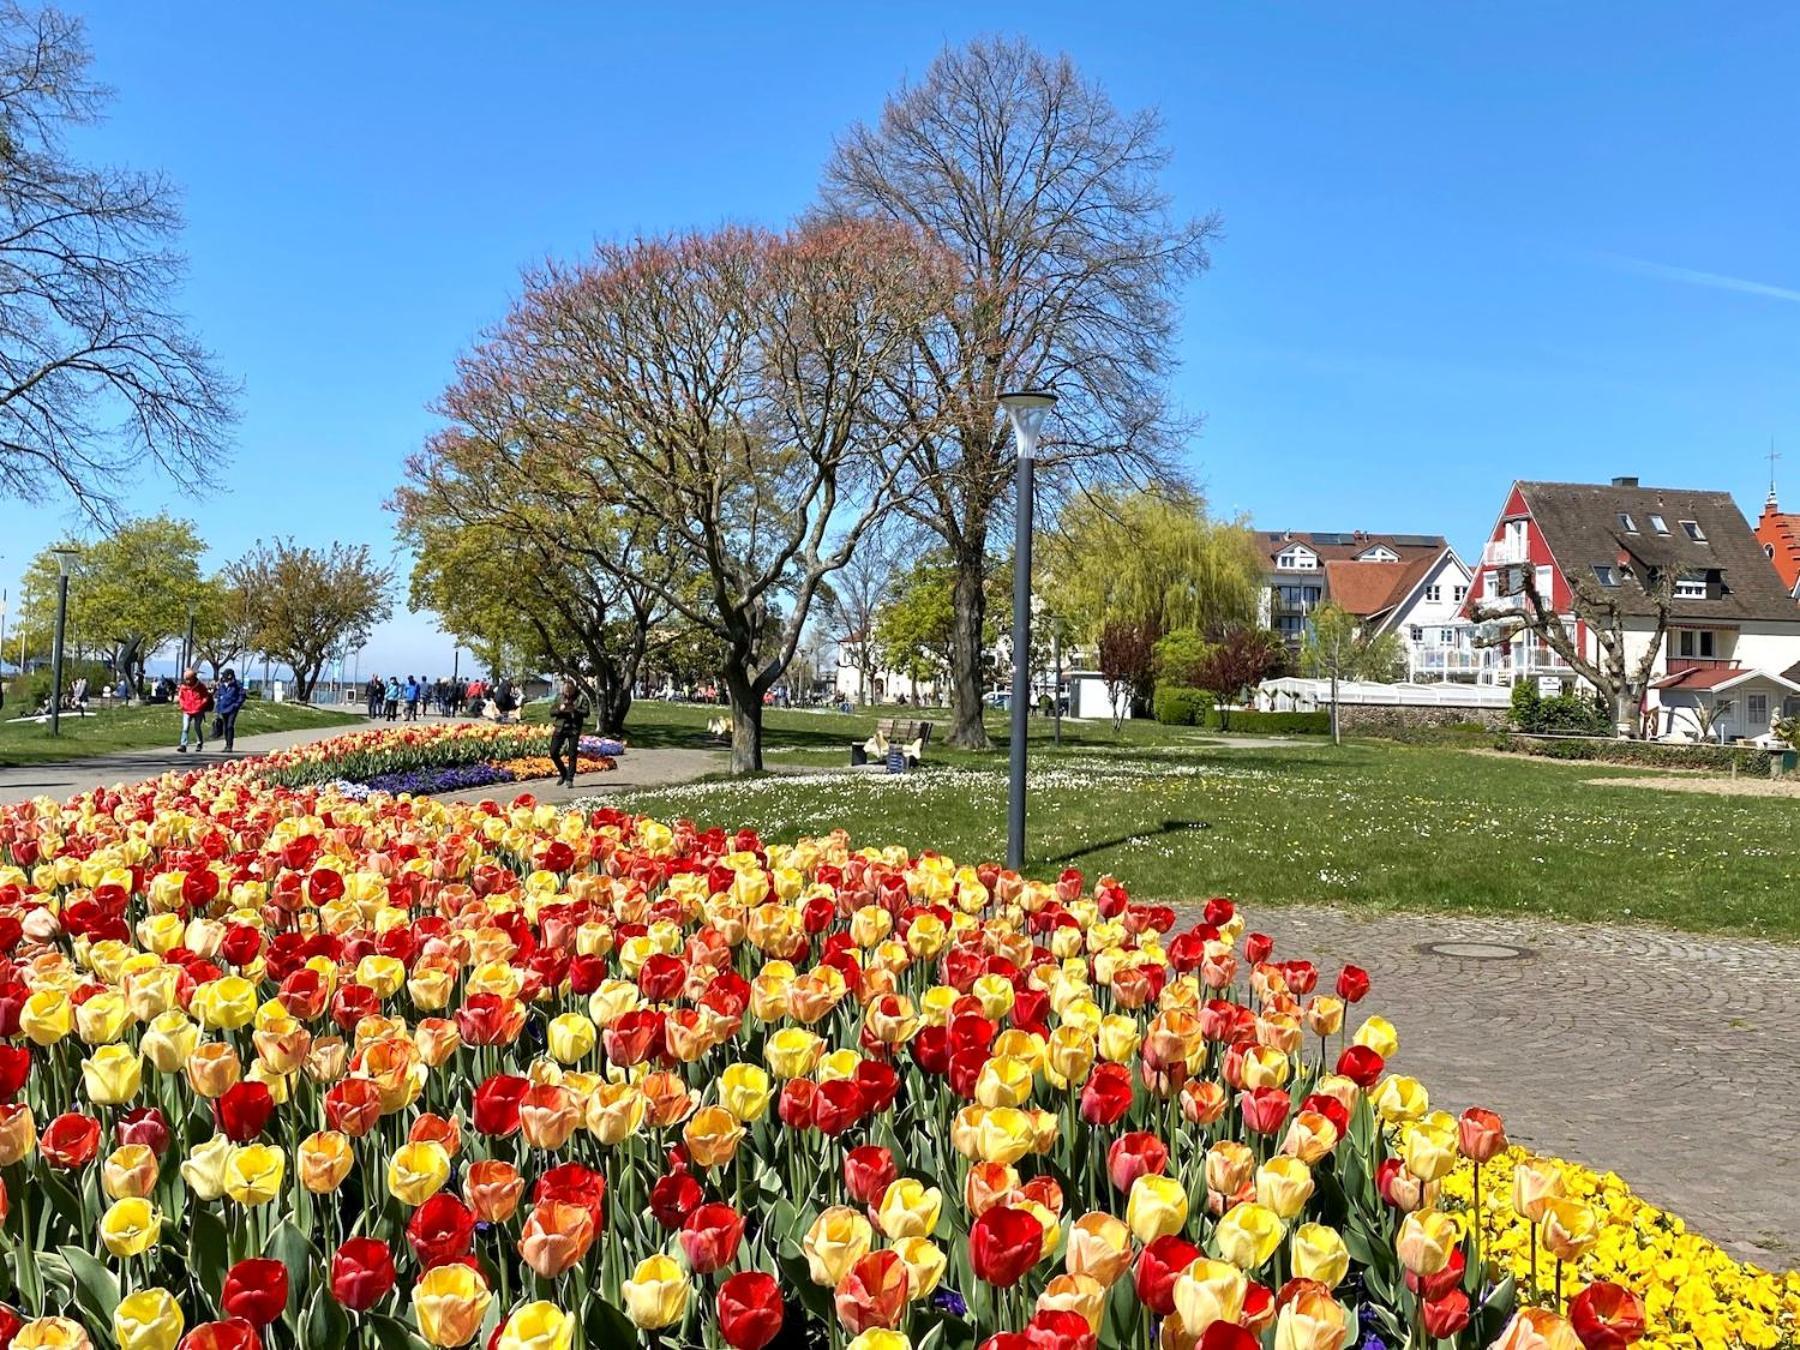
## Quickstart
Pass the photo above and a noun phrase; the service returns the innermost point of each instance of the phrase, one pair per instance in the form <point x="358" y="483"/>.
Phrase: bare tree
<point x="97" y="371"/>
<point x="856" y="593"/>
<point x="725" y="389"/>
<point x="1048" y="196"/>
<point x="1610" y="671"/>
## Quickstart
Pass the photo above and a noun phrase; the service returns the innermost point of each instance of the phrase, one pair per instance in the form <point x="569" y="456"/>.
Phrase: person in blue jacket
<point x="228" y="698"/>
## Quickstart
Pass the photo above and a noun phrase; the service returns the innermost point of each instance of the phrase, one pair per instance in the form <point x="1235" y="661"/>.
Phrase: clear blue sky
<point x="1462" y="244"/>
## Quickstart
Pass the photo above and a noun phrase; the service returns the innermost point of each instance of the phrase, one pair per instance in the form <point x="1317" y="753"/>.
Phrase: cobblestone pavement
<point x="1669" y="1058"/>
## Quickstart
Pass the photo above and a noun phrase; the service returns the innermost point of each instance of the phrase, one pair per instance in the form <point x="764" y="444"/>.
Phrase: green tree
<point x="224" y="623"/>
<point x="129" y="592"/>
<point x="1179" y="656"/>
<point x="309" y="604"/>
<point x="1337" y="647"/>
<point x="916" y="628"/>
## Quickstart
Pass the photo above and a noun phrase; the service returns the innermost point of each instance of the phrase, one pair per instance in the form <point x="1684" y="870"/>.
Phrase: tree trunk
<point x="746" y="722"/>
<point x="612" y="701"/>
<point x="1336" y="736"/>
<point x="966" y="650"/>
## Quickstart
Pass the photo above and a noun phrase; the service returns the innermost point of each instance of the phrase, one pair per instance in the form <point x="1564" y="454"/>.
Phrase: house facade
<point x="1729" y="659"/>
<point x="1778" y="532"/>
<point x="1413" y="585"/>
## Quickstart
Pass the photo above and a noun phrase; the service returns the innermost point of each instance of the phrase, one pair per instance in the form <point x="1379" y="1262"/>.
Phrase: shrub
<point x="1570" y="713"/>
<point x="1177" y="705"/>
<point x="1273" y="723"/>
<point x="1649" y="754"/>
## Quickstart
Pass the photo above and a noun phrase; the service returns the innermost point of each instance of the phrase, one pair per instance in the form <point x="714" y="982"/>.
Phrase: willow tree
<point x="1069" y="265"/>
<point x="730" y="392"/>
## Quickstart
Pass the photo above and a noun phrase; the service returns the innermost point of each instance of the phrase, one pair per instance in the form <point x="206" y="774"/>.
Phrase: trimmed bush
<point x="1649" y="754"/>
<point x="1177" y="705"/>
<point x="1273" y="723"/>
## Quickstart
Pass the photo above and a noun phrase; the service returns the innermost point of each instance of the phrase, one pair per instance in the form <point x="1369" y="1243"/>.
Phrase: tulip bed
<point x="280" y="1067"/>
<point x="426" y="758"/>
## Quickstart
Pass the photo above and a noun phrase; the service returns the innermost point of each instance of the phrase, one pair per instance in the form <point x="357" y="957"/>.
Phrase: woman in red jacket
<point x="194" y="699"/>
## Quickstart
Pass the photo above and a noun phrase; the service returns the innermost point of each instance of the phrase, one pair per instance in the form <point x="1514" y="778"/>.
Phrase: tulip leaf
<point x="606" y="1325"/>
<point x="391" y="1333"/>
<point x="96" y="1287"/>
<point x="326" y="1321"/>
<point x="288" y="1245"/>
<point x="815" y="1298"/>
<point x="63" y="1200"/>
<point x="208" y="1251"/>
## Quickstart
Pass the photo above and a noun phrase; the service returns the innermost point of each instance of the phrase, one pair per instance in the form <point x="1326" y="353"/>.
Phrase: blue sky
<point x="1462" y="243"/>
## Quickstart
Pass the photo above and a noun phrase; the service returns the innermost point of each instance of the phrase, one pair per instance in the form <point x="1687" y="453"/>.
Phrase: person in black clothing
<point x="375" y="692"/>
<point x="567" y="717"/>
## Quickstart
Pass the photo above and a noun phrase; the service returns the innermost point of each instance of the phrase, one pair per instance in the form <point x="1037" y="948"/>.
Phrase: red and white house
<point x="1729" y="662"/>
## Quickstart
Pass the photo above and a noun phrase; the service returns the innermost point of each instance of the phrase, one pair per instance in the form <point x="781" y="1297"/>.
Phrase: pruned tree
<point x="1242" y="658"/>
<point x="1339" y="647"/>
<point x="1126" y="655"/>
<point x="310" y="604"/>
<point x="98" y="372"/>
<point x="1069" y="263"/>
<point x="729" y="390"/>
<point x="1611" y="670"/>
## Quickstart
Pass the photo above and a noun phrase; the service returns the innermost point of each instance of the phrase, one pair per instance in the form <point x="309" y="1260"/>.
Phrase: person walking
<point x="567" y="718"/>
<point x="228" y="700"/>
<point x="194" y="699"/>
<point x="506" y="701"/>
<point x="392" y="697"/>
<point x="412" y="698"/>
<point x="374" y="692"/>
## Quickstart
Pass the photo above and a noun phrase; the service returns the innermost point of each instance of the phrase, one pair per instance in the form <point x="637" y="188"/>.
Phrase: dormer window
<point x="1380" y="553"/>
<point x="1658" y="524"/>
<point x="1605" y="575"/>
<point x="1298" y="560"/>
<point x="1693" y="531"/>
<point x="1690" y="586"/>
<point x="1626" y="523"/>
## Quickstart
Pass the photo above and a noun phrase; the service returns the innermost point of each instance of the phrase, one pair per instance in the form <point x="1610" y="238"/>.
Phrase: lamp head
<point x="65" y="558"/>
<point x="1026" y="410"/>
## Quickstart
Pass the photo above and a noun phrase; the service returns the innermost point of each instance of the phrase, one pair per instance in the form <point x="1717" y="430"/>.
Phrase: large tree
<point x="224" y="622"/>
<point x="1069" y="266"/>
<point x="730" y="392"/>
<point x="311" y="604"/>
<point x="98" y="371"/>
<point x="854" y="596"/>
<point x="129" y="591"/>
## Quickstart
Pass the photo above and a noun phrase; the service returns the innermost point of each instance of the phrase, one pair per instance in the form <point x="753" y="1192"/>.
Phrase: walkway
<point x="636" y="769"/>
<point x="1669" y="1058"/>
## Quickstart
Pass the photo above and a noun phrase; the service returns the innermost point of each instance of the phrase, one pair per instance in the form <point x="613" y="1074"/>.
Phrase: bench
<point x="910" y="736"/>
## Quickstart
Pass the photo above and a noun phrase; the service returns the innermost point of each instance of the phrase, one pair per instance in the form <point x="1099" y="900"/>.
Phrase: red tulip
<point x="1606" y="1316"/>
<point x="1361" y="1065"/>
<point x="575" y="1184"/>
<point x="632" y="1036"/>
<point x="441" y="1230"/>
<point x="1265" y="1109"/>
<point x="353" y="1106"/>
<point x="1481" y="1135"/>
<point x="1133" y="1155"/>
<point x="1059" y="1329"/>
<point x="1257" y="948"/>
<point x="1158" y="1267"/>
<point x="710" y="1237"/>
<point x="750" y="1311"/>
<point x="796" y="1104"/>
<point x="241" y="944"/>
<point x="1005" y="1340"/>
<point x="673" y="1198"/>
<point x="1106" y="1096"/>
<point x="879" y="1083"/>
<point x="232" y="1334"/>
<point x="930" y="1050"/>
<point x="868" y="1172"/>
<point x="143" y="1125"/>
<point x="1353" y="984"/>
<point x="1004" y="1243"/>
<point x="1446" y="1315"/>
<point x="256" y="1289"/>
<point x="872" y="1292"/>
<point x="837" y="1105"/>
<point x="15" y="1068"/>
<point x="1227" y="1336"/>
<point x="243" y="1110"/>
<point x="1436" y="1286"/>
<point x="362" y="1273"/>
<point x="70" y="1141"/>
<point x="661" y="977"/>
<point x="496" y="1112"/>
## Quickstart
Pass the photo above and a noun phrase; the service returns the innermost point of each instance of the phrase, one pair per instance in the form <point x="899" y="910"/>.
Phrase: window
<point x="1459" y="593"/>
<point x="1605" y="575"/>
<point x="1626" y="523"/>
<point x="1658" y="524"/>
<point x="1695" y="642"/>
<point x="1768" y="550"/>
<point x="1417" y="634"/>
<point x="1694" y="531"/>
<point x="1380" y="553"/>
<point x="1446" y="637"/>
<point x="1691" y="586"/>
<point x="1298" y="560"/>
<point x="1434" y="592"/>
<point x="1291" y="626"/>
<point x="1756" y="710"/>
<point x="1297" y="597"/>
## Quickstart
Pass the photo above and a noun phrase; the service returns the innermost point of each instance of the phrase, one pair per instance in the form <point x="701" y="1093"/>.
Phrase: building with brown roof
<point x="1729" y="658"/>
<point x="1410" y="584"/>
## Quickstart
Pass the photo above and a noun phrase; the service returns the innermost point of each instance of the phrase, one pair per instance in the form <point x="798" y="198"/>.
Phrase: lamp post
<point x="187" y="644"/>
<point x="1026" y="410"/>
<point x="65" y="563"/>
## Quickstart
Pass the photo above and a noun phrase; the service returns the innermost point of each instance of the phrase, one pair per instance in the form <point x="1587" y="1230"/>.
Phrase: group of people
<point x="224" y="701"/>
<point x="388" y="699"/>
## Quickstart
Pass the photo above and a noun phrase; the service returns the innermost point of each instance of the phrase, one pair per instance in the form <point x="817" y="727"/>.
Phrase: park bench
<point x="910" y="737"/>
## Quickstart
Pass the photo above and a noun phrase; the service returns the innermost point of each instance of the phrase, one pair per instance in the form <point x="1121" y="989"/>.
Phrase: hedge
<point x="1649" y="754"/>
<point x="1177" y="705"/>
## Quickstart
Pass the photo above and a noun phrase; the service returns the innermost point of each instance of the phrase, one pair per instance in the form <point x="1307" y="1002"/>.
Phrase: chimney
<point x="1625" y="481"/>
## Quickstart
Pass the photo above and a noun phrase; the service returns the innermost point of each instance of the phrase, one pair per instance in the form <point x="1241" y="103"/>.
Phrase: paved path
<point x="66" y="778"/>
<point x="637" y="769"/>
<point x="1669" y="1058"/>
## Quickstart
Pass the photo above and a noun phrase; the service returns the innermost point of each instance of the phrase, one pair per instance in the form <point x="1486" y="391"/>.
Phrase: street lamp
<point x="1026" y="410"/>
<point x="65" y="563"/>
<point x="187" y="650"/>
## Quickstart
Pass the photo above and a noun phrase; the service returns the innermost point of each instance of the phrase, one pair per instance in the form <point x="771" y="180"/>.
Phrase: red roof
<point x="1700" y="677"/>
<point x="1365" y="588"/>
<point x="1779" y="534"/>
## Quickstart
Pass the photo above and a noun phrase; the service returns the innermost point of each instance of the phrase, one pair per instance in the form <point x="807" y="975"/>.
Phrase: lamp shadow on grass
<point x="1101" y="845"/>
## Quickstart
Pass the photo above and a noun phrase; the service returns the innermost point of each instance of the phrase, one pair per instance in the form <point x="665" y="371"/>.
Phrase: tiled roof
<point x="1347" y="545"/>
<point x="1368" y="588"/>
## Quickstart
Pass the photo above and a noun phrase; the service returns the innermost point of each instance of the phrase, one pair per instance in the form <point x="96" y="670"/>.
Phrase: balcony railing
<point x="1677" y="664"/>
<point x="1499" y="552"/>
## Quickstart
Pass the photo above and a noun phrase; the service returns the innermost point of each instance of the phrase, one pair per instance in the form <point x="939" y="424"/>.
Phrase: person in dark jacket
<point x="568" y="717"/>
<point x="376" y="692"/>
<point x="228" y="698"/>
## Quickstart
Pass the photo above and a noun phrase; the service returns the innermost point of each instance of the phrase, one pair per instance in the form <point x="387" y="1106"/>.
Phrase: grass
<point x="105" y="730"/>
<point x="1368" y="825"/>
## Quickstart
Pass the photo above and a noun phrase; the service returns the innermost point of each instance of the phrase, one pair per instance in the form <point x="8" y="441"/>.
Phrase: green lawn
<point x="102" y="731"/>
<point x="1370" y="824"/>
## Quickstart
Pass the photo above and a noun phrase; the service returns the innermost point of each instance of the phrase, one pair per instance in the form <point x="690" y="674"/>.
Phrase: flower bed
<point x="428" y="758"/>
<point x="316" y="1071"/>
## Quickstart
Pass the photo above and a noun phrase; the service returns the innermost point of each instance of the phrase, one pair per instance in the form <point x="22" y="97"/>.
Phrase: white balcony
<point x="1499" y="552"/>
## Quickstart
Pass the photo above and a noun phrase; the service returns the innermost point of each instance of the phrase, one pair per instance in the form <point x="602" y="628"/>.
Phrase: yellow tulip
<point x="130" y="1227"/>
<point x="253" y="1174"/>
<point x="656" y="1295"/>
<point x="148" y="1320"/>
<point x="168" y="1041"/>
<point x="1318" y="1253"/>
<point x="53" y="1333"/>
<point x="793" y="1052"/>
<point x="538" y="1326"/>
<point x="1209" y="1291"/>
<point x="744" y="1091"/>
<point x="909" y="1208"/>
<point x="925" y="1263"/>
<point x="572" y="1039"/>
<point x="1157" y="1206"/>
<point x="837" y="1240"/>
<point x="418" y="1171"/>
<point x="449" y="1303"/>
<point x="1248" y="1235"/>
<point x="1285" y="1185"/>
<point x="324" y="1158"/>
<point x="46" y="1017"/>
<point x="112" y="1075"/>
<point x="204" y="1168"/>
<point x="1378" y="1034"/>
<point x="1426" y="1239"/>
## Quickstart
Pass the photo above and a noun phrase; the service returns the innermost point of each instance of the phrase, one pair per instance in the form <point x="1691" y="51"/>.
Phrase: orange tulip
<point x="557" y="1235"/>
